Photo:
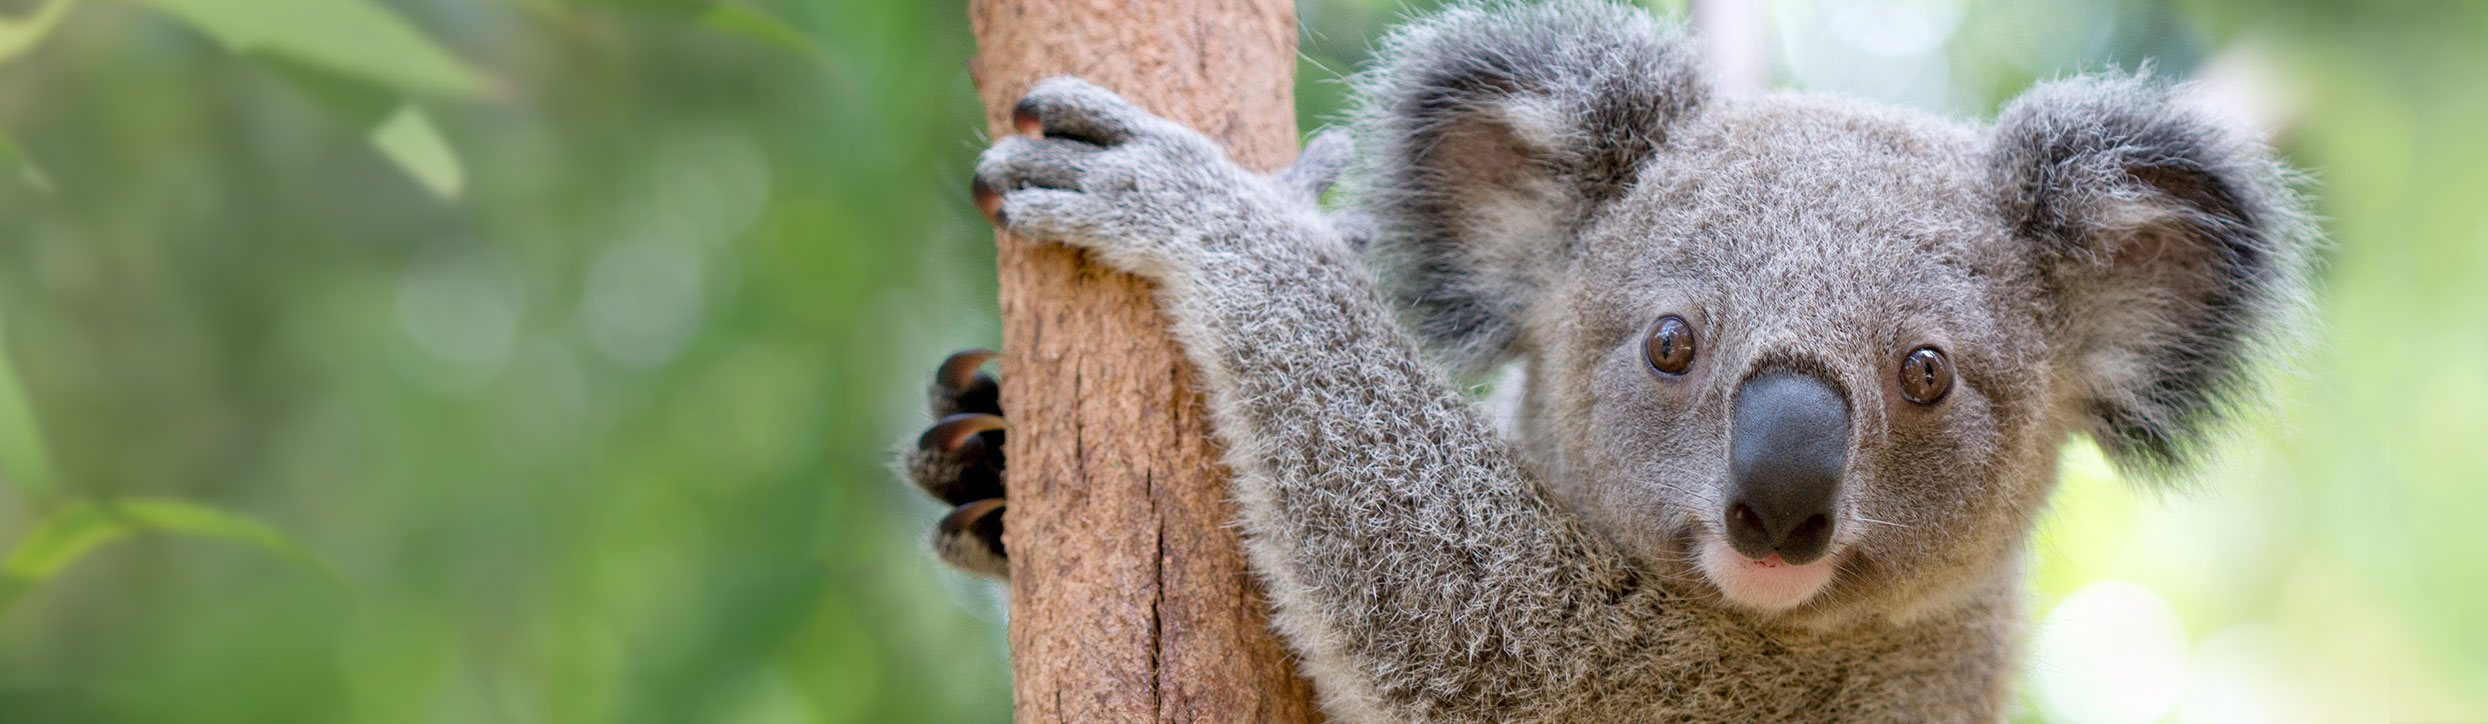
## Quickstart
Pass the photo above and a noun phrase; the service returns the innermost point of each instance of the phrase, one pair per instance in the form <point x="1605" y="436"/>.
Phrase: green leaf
<point x="410" y="139"/>
<point x="360" y="102"/>
<point x="739" y="19"/>
<point x="201" y="521"/>
<point x="73" y="530"/>
<point x="14" y="159"/>
<point x="352" y="37"/>
<point x="674" y="8"/>
<point x="22" y="459"/>
<point x="18" y="35"/>
<point x="58" y="540"/>
<point x="398" y="130"/>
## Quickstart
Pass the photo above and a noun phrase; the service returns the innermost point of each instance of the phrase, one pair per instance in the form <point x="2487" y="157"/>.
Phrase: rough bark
<point x="1130" y="596"/>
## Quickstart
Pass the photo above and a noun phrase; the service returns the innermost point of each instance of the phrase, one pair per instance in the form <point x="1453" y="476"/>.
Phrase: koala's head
<point x="1812" y="356"/>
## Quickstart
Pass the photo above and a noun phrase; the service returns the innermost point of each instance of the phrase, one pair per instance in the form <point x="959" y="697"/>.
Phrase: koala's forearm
<point x="1402" y="537"/>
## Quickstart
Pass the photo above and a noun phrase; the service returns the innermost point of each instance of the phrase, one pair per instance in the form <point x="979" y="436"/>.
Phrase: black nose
<point x="1790" y="442"/>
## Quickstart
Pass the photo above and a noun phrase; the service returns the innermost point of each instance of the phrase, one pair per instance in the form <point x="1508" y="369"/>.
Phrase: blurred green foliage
<point x="536" y="361"/>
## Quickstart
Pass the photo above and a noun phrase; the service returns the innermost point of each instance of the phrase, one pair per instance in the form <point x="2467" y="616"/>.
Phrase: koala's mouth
<point x="1769" y="585"/>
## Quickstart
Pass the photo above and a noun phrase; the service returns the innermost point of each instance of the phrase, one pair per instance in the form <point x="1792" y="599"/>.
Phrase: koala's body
<point x="1796" y="369"/>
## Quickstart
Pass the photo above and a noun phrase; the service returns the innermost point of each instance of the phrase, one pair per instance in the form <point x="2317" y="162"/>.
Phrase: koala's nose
<point x="1790" y="442"/>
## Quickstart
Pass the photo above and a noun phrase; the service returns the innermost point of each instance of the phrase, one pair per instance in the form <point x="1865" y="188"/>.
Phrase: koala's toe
<point x="959" y="460"/>
<point x="970" y="539"/>
<point x="1063" y="217"/>
<point x="1024" y="163"/>
<point x="1070" y="108"/>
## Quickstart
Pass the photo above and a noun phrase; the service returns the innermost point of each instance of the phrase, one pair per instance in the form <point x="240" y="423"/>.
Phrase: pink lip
<point x="1770" y="585"/>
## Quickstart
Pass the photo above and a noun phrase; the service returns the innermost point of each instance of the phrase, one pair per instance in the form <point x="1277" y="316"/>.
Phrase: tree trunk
<point x="1130" y="597"/>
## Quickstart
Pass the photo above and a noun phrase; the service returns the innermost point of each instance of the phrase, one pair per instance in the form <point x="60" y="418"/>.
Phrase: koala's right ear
<point x="1489" y="136"/>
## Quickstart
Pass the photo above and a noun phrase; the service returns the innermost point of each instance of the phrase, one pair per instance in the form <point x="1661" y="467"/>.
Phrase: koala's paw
<point x="959" y="461"/>
<point x="1091" y="170"/>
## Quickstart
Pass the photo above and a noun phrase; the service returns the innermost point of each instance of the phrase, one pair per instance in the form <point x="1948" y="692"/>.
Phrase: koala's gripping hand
<point x="959" y="462"/>
<point x="1147" y="195"/>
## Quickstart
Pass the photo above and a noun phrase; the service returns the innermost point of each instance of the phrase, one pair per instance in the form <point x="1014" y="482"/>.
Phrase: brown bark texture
<point x="1130" y="597"/>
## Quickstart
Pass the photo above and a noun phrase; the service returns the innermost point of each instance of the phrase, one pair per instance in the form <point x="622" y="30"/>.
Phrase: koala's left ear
<point x="2176" y="253"/>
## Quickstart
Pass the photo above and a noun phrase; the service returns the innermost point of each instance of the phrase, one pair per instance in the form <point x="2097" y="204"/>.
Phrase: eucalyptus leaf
<point x="60" y="539"/>
<point x="22" y="458"/>
<point x="14" y="160"/>
<point x="400" y="131"/>
<point x="353" y="37"/>
<point x="20" y="34"/>
<point x="70" y="532"/>
<point x="409" y="139"/>
<point x="359" y="102"/>
<point x="203" y="521"/>
<point x="735" y="18"/>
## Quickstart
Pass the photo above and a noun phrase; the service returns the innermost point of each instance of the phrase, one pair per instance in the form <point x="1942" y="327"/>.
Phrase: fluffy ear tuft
<point x="1490" y="134"/>
<point x="2177" y="252"/>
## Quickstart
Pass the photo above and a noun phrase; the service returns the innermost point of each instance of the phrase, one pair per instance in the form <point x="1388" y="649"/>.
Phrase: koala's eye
<point x="1670" y="346"/>
<point x="1925" y="375"/>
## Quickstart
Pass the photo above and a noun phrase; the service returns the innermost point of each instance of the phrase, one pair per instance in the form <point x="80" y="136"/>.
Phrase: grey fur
<point x="1489" y="142"/>
<point x="2101" y="167"/>
<point x="2100" y="262"/>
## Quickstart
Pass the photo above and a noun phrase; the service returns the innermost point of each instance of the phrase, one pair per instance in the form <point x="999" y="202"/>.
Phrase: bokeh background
<point x="536" y="361"/>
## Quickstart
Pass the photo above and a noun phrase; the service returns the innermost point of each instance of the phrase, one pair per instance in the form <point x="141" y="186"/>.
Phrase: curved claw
<point x="970" y="538"/>
<point x="974" y="517"/>
<point x="1024" y="119"/>
<point x="988" y="202"/>
<point x="957" y="430"/>
<point x="960" y="369"/>
<point x="1067" y="107"/>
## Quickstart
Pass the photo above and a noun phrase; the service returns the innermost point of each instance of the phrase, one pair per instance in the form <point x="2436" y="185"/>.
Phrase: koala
<point x="1794" y="370"/>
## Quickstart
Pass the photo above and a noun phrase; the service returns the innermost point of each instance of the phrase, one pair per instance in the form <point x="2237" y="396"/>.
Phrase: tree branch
<point x="1130" y="596"/>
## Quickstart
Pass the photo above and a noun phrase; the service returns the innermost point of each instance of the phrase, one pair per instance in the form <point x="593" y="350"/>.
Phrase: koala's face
<point x="1801" y="362"/>
<point x="1810" y="356"/>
